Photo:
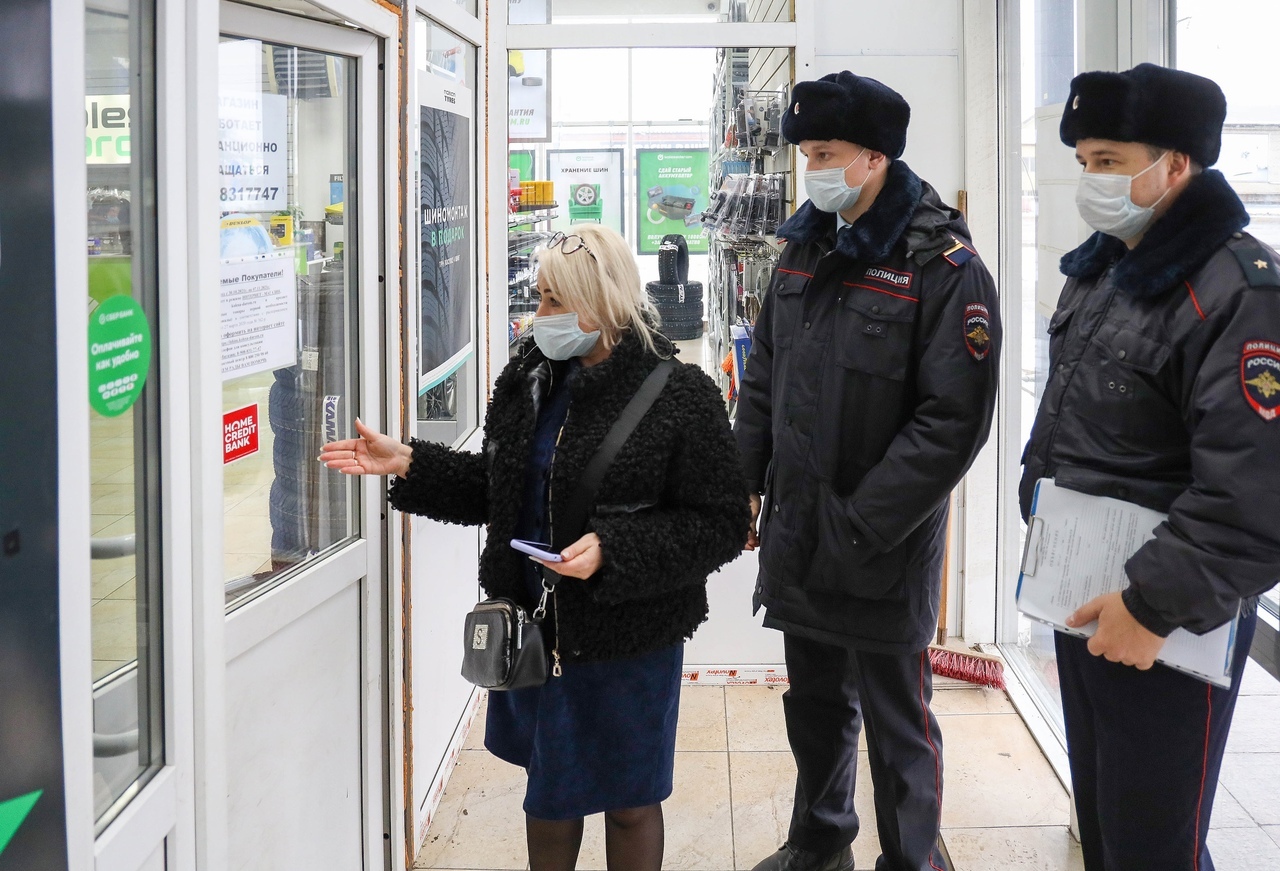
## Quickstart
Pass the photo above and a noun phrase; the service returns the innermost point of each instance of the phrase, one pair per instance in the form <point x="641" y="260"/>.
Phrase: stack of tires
<point x="308" y="406"/>
<point x="678" y="299"/>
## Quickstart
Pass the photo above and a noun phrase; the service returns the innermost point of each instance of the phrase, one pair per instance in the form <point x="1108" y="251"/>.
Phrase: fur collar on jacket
<point x="908" y="208"/>
<point x="1204" y="217"/>
<point x="872" y="236"/>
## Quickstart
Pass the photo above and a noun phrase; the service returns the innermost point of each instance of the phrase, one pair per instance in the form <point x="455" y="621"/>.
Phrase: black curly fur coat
<point x="670" y="510"/>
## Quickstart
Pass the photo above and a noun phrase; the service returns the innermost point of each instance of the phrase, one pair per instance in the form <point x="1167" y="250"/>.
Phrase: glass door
<point x="287" y="285"/>
<point x="1050" y="227"/>
<point x="124" y="400"/>
<point x="301" y="152"/>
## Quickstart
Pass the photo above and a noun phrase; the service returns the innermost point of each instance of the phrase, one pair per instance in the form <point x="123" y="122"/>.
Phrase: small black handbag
<point x="504" y="647"/>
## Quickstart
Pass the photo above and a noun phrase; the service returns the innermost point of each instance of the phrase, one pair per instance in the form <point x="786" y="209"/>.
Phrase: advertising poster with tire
<point x="447" y="268"/>
<point x="672" y="195"/>
<point x="588" y="187"/>
<point x="33" y="826"/>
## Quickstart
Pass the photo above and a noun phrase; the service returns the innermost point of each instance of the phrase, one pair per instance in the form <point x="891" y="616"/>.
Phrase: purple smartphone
<point x="538" y="549"/>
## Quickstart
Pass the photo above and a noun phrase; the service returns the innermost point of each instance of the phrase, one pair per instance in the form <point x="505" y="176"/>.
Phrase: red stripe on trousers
<point x="937" y="761"/>
<point x="1204" y="766"/>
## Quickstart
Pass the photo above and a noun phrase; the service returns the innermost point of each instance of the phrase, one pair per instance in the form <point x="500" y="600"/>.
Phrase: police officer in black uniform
<point x="1164" y="389"/>
<point x="868" y="393"/>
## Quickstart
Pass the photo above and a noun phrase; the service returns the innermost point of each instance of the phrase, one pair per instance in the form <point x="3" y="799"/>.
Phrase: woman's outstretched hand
<point x="371" y="454"/>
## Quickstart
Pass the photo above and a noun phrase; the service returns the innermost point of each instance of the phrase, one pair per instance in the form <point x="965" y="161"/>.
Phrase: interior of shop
<point x="364" y="249"/>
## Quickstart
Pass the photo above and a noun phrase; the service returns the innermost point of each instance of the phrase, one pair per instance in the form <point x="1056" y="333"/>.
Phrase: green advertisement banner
<point x="673" y="194"/>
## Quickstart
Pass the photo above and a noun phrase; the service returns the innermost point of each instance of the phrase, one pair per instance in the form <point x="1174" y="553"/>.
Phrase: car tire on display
<point x="673" y="260"/>
<point x="674" y="295"/>
<point x="683" y="333"/>
<point x="684" y="295"/>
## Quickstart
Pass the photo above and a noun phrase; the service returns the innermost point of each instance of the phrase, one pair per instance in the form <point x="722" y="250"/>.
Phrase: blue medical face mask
<point x="561" y="338"/>
<point x="829" y="191"/>
<point x="1105" y="202"/>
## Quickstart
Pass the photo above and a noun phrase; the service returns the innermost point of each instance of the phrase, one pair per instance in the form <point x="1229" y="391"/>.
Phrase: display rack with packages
<point x="750" y="165"/>
<point x="528" y="226"/>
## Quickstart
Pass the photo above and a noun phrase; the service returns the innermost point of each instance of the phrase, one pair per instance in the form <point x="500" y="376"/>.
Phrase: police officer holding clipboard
<point x="1164" y="389"/>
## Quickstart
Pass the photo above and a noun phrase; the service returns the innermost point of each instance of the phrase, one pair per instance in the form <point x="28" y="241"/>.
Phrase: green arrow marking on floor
<point x="13" y="812"/>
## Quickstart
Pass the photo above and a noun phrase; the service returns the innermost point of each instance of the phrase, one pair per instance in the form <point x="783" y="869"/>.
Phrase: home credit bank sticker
<point x="240" y="433"/>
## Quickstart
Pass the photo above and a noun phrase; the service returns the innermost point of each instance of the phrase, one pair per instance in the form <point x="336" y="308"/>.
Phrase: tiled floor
<point x="1003" y="807"/>
<point x="111" y="490"/>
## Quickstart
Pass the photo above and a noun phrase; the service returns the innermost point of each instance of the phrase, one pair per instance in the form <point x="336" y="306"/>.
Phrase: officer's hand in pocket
<point x="753" y="536"/>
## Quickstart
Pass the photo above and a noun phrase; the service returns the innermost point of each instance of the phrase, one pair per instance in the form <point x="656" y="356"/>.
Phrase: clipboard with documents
<point x="1075" y="551"/>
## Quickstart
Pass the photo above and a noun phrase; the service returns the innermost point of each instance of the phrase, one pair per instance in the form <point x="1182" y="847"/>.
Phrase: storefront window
<point x="1211" y="42"/>
<point x="1050" y="228"/>
<point x="287" y="287"/>
<point x="592" y="12"/>
<point x="124" y="398"/>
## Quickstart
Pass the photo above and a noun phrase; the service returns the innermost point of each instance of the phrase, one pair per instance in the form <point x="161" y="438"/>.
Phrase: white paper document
<point x="1076" y="549"/>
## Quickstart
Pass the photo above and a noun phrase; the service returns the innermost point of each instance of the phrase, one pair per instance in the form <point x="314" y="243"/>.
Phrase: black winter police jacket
<point x="1163" y="390"/>
<point x="670" y="509"/>
<point x="868" y="393"/>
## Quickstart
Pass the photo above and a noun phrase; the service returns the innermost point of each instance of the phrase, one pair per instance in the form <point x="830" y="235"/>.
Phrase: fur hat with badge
<point x="1150" y="104"/>
<point x="852" y="108"/>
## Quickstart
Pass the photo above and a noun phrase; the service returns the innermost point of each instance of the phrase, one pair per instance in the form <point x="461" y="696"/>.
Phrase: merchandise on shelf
<point x="749" y="169"/>
<point x="747" y="206"/>
<point x="528" y="226"/>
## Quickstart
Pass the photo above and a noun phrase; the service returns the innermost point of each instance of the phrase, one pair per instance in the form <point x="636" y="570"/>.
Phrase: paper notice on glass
<point x="259" y="314"/>
<point x="1076" y="549"/>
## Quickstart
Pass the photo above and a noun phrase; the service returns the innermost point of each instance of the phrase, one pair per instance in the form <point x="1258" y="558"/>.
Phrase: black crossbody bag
<point x="504" y="646"/>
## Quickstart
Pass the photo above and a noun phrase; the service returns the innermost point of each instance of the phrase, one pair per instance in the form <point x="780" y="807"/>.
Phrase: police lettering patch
<point x="1260" y="377"/>
<point x="977" y="330"/>
<point x="891" y="277"/>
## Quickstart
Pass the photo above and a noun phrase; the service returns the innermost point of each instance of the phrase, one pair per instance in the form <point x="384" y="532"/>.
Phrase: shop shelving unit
<point x="526" y="230"/>
<point x="746" y="139"/>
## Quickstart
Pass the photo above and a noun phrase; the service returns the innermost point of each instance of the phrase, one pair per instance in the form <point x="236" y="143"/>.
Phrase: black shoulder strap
<point x="573" y="520"/>
<point x="1259" y="271"/>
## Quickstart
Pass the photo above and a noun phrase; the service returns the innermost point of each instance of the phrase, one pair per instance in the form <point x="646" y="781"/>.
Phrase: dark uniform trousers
<point x="1144" y="790"/>
<point x="835" y="690"/>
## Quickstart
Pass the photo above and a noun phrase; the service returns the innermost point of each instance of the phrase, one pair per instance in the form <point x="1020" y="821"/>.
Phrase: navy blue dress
<point x="602" y="736"/>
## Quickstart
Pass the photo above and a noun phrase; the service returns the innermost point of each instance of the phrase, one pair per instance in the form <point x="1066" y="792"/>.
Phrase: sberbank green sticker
<point x="119" y="355"/>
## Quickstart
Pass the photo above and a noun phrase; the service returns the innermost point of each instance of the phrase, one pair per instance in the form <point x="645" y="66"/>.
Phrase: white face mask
<point x="1106" y="203"/>
<point x="829" y="191"/>
<point x="560" y="337"/>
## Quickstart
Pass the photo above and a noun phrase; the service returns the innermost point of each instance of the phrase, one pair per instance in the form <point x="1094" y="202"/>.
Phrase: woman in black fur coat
<point x="671" y="509"/>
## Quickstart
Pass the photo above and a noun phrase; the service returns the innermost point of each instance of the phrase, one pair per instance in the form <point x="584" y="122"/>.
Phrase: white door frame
<point x="179" y="815"/>
<point x="158" y="817"/>
<point x="361" y="561"/>
<point x="488" y="185"/>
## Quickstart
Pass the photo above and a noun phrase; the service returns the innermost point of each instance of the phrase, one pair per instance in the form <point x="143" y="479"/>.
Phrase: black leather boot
<point x="789" y="858"/>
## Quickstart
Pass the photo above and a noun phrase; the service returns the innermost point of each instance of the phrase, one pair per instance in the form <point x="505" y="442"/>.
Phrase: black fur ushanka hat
<point x="1149" y="104"/>
<point x="852" y="108"/>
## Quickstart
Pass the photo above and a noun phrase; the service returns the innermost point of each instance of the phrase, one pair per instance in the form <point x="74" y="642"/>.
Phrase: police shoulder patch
<point x="1259" y="271"/>
<point x="958" y="253"/>
<point x="977" y="330"/>
<point x="1260" y="377"/>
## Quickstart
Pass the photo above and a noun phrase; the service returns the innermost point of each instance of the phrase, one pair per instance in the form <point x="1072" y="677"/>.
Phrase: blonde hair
<point x="605" y="288"/>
